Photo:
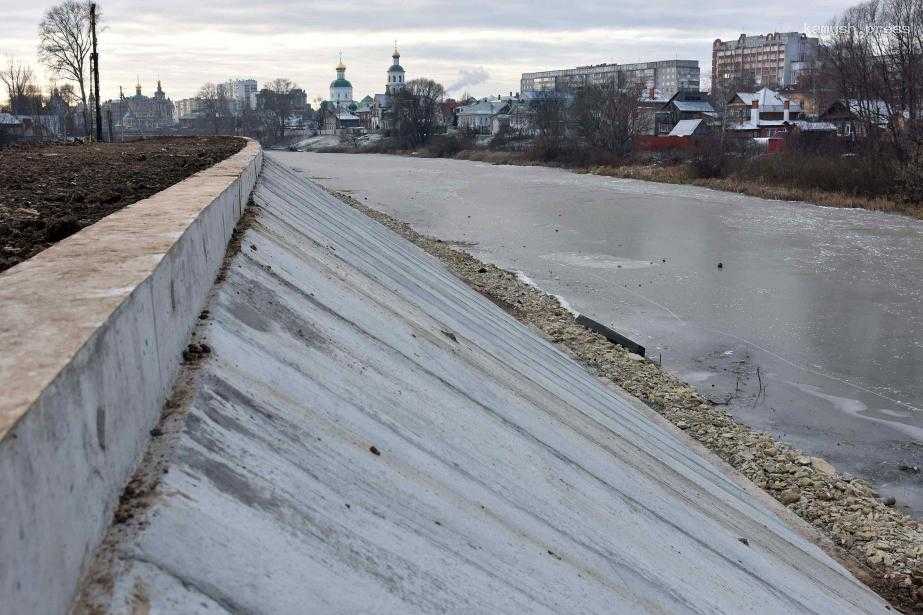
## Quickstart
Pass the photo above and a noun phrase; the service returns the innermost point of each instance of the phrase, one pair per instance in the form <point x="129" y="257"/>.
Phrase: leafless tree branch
<point x="64" y="44"/>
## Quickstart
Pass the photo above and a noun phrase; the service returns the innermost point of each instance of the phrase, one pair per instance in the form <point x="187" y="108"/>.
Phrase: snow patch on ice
<point x="522" y="277"/>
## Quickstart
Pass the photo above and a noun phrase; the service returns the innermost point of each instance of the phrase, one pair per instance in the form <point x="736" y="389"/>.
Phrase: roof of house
<point x="490" y="106"/>
<point x="685" y="128"/>
<point x="815" y="126"/>
<point x="701" y="106"/>
<point x="9" y="120"/>
<point x="521" y="106"/>
<point x="769" y="101"/>
<point x="801" y="124"/>
<point x="874" y="106"/>
<point x="755" y="125"/>
<point x="876" y="110"/>
<point x="657" y="98"/>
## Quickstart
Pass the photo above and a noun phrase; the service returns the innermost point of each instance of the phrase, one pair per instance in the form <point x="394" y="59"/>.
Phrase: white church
<point x="395" y="73"/>
<point x="380" y="117"/>
<point x="373" y="113"/>
<point x="341" y="90"/>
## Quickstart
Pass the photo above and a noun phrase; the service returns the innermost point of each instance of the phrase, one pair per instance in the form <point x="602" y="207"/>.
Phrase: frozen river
<point x="811" y="329"/>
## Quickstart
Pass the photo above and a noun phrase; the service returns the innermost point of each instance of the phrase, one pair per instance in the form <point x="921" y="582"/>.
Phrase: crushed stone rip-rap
<point x="883" y="545"/>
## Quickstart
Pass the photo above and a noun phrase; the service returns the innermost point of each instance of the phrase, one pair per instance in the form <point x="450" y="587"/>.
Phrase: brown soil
<point x="50" y="192"/>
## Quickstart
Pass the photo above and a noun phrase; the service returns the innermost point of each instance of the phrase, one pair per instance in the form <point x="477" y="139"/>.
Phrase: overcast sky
<point x="481" y="46"/>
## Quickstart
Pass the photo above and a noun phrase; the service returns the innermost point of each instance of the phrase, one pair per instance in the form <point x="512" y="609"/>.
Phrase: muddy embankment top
<point x="369" y="434"/>
<point x="91" y="334"/>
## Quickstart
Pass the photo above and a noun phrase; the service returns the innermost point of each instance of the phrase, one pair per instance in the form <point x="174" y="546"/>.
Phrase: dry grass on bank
<point x="681" y="174"/>
<point x="684" y="174"/>
<point x="677" y="173"/>
<point x="495" y="157"/>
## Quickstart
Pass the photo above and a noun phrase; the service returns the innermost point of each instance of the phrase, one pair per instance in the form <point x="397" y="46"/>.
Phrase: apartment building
<point x="774" y="60"/>
<point x="666" y="76"/>
<point x="239" y="94"/>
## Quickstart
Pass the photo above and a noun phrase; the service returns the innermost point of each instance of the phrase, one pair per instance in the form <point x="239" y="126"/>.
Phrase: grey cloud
<point x="268" y="38"/>
<point x="283" y="16"/>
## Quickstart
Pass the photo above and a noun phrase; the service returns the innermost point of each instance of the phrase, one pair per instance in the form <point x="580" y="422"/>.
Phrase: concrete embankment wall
<point x="91" y="336"/>
<point x="371" y="435"/>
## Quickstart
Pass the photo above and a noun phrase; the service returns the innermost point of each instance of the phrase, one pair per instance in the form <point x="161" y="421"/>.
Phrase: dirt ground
<point x="50" y="192"/>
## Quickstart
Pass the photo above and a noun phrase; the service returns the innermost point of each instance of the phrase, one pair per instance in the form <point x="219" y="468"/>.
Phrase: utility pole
<point x="94" y="64"/>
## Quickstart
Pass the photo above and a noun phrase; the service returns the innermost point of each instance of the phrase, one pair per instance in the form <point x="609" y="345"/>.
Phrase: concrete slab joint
<point x="91" y="336"/>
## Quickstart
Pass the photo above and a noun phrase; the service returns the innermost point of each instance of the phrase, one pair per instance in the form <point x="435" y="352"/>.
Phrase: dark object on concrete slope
<point x="196" y="351"/>
<point x="609" y="334"/>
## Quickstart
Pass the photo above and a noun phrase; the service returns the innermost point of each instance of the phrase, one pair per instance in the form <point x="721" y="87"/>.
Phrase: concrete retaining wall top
<point x="91" y="335"/>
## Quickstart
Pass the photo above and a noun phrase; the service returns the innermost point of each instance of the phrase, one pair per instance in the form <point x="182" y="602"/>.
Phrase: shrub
<point x="911" y="180"/>
<point x="855" y="174"/>
<point x="709" y="158"/>
<point x="448" y="145"/>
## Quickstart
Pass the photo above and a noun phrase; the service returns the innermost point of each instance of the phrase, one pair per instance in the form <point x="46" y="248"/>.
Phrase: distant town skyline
<point x="477" y="47"/>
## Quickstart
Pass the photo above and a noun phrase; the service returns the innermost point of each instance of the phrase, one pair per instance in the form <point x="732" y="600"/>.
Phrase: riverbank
<point x="677" y="172"/>
<point x="682" y="173"/>
<point x="884" y="546"/>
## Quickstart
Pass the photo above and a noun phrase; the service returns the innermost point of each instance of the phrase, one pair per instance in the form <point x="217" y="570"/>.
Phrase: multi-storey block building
<point x="239" y="93"/>
<point x="665" y="76"/>
<point x="187" y="108"/>
<point x="771" y="60"/>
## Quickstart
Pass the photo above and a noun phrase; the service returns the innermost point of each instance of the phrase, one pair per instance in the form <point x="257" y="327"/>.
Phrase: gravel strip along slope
<point x="883" y="546"/>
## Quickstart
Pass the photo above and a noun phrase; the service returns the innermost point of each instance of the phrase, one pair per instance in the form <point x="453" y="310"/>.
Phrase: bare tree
<point x="32" y="101"/>
<point x="277" y="97"/>
<point x="609" y="117"/>
<point x="417" y="111"/>
<point x="875" y="53"/>
<point x="213" y="104"/>
<point x="67" y="93"/>
<point x="549" y="119"/>
<point x="724" y="89"/>
<point x="64" y="45"/>
<point x="18" y="79"/>
<point x="876" y="59"/>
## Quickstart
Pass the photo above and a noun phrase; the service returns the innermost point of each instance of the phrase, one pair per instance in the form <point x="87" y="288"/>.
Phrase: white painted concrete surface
<point x="507" y="479"/>
<point x="91" y="332"/>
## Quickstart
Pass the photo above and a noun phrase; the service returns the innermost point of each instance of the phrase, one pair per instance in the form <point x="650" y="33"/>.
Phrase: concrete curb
<point x="91" y="335"/>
